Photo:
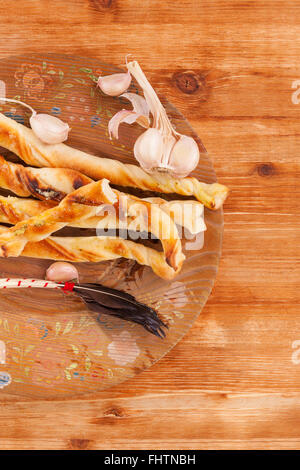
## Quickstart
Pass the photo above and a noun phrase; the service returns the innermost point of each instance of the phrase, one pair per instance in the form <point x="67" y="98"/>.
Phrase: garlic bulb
<point x="61" y="272"/>
<point x="161" y="147"/>
<point x="114" y="85"/>
<point x="49" y="129"/>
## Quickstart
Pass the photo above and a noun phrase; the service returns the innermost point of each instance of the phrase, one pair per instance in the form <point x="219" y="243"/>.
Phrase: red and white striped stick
<point x="40" y="283"/>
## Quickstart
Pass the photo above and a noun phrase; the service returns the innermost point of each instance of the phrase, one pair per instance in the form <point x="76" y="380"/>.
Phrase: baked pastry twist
<point x="42" y="183"/>
<point x="188" y="214"/>
<point x="22" y="141"/>
<point x="83" y="204"/>
<point x="55" y="183"/>
<point x="95" y="249"/>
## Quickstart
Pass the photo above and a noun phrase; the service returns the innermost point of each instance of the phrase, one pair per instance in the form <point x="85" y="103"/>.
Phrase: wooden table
<point x="230" y="66"/>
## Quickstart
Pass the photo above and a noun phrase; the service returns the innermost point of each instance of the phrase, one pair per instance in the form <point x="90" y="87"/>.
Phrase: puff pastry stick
<point x="16" y="209"/>
<point x="55" y="183"/>
<point x="22" y="141"/>
<point x="42" y="183"/>
<point x="84" y="203"/>
<point x="188" y="214"/>
<point x="95" y="249"/>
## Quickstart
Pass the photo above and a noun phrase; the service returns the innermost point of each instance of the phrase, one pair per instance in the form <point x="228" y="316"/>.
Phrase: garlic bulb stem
<point x="160" y="118"/>
<point x="10" y="100"/>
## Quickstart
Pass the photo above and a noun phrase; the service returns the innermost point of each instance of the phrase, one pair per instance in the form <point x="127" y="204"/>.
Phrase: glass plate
<point x="56" y="348"/>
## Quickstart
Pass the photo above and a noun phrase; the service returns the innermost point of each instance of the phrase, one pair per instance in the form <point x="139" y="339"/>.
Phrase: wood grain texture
<point x="233" y="381"/>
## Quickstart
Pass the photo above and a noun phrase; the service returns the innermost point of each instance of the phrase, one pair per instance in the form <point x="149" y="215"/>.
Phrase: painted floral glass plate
<point x="50" y="345"/>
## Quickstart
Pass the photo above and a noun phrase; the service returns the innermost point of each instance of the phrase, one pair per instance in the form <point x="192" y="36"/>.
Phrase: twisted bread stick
<point x="15" y="209"/>
<point x="22" y="141"/>
<point x="80" y="249"/>
<point x="43" y="183"/>
<point x="55" y="183"/>
<point x="188" y="214"/>
<point x="185" y="213"/>
<point x="83" y="204"/>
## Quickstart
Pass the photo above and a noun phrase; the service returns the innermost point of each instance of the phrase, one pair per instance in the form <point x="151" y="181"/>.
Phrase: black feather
<point x="103" y="299"/>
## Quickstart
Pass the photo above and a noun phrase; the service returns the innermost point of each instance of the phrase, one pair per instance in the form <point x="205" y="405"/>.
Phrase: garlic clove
<point x="140" y="105"/>
<point x="116" y="120"/>
<point x="114" y="85"/>
<point x="184" y="157"/>
<point x="49" y="129"/>
<point x="128" y="117"/>
<point x="62" y="272"/>
<point x="149" y="148"/>
<point x="139" y="114"/>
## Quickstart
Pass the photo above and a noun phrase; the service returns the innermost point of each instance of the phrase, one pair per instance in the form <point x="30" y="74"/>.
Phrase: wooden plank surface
<point x="234" y="380"/>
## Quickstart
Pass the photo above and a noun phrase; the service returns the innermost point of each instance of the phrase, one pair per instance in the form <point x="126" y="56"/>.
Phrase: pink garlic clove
<point x="62" y="272"/>
<point x="140" y="105"/>
<point x="49" y="129"/>
<point x="149" y="148"/>
<point x="184" y="157"/>
<point x="128" y="117"/>
<point x="114" y="85"/>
